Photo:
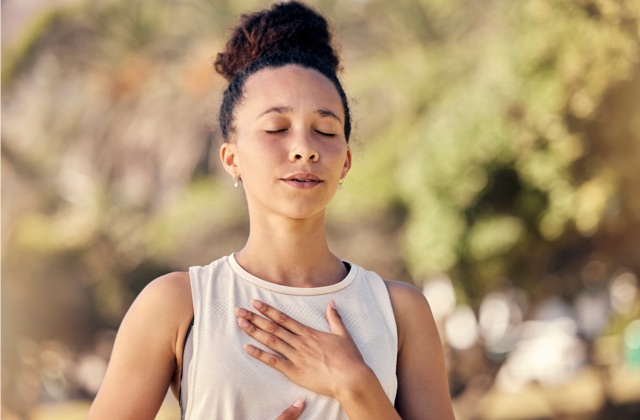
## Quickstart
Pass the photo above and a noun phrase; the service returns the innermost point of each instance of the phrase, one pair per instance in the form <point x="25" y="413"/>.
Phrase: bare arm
<point x="147" y="354"/>
<point x="144" y="363"/>
<point x="423" y="391"/>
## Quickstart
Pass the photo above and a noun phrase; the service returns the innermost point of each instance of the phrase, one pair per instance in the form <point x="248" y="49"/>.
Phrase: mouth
<point x="303" y="180"/>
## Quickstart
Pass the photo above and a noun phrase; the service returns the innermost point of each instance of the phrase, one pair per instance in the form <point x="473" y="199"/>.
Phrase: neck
<point x="291" y="253"/>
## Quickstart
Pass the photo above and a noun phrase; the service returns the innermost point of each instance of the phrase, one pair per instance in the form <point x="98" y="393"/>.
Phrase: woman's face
<point x="288" y="145"/>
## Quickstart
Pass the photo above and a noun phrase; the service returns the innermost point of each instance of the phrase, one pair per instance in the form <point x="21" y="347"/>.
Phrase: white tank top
<point x="224" y="382"/>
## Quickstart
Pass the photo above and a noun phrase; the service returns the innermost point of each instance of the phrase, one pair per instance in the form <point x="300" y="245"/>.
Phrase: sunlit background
<point x="497" y="167"/>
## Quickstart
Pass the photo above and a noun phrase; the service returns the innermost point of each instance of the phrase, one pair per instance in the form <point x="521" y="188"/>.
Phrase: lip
<point x="306" y="176"/>
<point x="303" y="180"/>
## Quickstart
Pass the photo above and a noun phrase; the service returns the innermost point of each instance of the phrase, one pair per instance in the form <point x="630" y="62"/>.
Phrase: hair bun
<point x="286" y="27"/>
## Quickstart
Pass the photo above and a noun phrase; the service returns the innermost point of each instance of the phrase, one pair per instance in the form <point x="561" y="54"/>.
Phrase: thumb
<point x="334" y="319"/>
<point x="293" y="411"/>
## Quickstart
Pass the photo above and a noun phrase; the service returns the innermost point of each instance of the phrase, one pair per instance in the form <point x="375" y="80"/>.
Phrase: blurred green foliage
<point x="491" y="119"/>
<point x="494" y="140"/>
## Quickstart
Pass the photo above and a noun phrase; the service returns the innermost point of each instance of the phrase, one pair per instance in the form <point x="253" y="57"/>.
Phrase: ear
<point x="228" y="157"/>
<point x="347" y="164"/>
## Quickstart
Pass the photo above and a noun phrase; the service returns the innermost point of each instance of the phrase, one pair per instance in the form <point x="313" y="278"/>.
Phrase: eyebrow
<point x="327" y="113"/>
<point x="287" y="109"/>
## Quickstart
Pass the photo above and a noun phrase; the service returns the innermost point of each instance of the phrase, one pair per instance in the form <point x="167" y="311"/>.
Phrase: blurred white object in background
<point x="499" y="320"/>
<point x="461" y="328"/>
<point x="548" y="352"/>
<point x="623" y="292"/>
<point x="593" y="310"/>
<point x="441" y="296"/>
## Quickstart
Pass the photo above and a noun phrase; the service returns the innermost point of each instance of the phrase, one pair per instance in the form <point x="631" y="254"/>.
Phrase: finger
<point x="273" y="360"/>
<point x="264" y="337"/>
<point x="280" y="318"/>
<point x="334" y="319"/>
<point x="266" y="325"/>
<point x="293" y="411"/>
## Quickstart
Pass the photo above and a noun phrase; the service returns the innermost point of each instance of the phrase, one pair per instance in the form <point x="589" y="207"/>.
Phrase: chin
<point x="305" y="215"/>
<point x="298" y="208"/>
<point x="303" y="212"/>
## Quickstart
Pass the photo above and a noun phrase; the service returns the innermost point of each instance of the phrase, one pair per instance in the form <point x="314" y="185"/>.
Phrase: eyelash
<point x="284" y="129"/>
<point x="325" y="134"/>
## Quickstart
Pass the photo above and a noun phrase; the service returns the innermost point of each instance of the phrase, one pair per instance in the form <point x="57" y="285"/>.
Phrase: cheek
<point x="259" y="156"/>
<point x="339" y="152"/>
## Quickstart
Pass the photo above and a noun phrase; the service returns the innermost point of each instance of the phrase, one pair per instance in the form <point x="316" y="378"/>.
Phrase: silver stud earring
<point x="236" y="181"/>
<point x="340" y="183"/>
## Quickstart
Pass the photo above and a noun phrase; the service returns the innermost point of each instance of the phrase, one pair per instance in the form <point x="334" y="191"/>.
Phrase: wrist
<point x="355" y="387"/>
<point x="362" y="397"/>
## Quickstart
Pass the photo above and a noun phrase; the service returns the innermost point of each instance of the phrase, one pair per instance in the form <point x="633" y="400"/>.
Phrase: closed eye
<point x="322" y="133"/>
<point x="282" y="130"/>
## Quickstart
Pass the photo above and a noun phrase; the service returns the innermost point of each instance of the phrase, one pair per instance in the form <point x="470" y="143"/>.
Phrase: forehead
<point x="293" y="86"/>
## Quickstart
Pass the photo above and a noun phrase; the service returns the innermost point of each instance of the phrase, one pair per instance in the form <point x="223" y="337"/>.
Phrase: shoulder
<point x="406" y="297"/>
<point x="411" y="310"/>
<point x="171" y="291"/>
<point x="171" y="286"/>
<point x="159" y="318"/>
<point x="166" y="301"/>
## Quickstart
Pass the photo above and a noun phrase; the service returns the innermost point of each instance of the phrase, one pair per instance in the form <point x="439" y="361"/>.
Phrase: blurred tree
<point x="513" y="131"/>
<point x="502" y="140"/>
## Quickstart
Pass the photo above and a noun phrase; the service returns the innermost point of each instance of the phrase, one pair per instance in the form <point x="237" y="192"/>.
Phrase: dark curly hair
<point x="287" y="33"/>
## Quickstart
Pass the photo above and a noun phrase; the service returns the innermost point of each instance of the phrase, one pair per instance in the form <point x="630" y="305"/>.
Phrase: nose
<point x="303" y="149"/>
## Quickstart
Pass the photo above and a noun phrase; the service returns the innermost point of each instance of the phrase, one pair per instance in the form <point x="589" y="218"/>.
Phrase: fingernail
<point x="242" y="312"/>
<point x="243" y="322"/>
<point x="258" y="304"/>
<point x="298" y="403"/>
<point x="332" y="303"/>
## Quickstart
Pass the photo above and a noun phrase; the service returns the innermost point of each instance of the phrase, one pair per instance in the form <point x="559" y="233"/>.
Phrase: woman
<point x="283" y="319"/>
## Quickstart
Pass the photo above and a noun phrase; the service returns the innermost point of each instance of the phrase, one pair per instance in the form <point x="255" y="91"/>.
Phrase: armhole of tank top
<point x="392" y="313"/>
<point x="187" y="353"/>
